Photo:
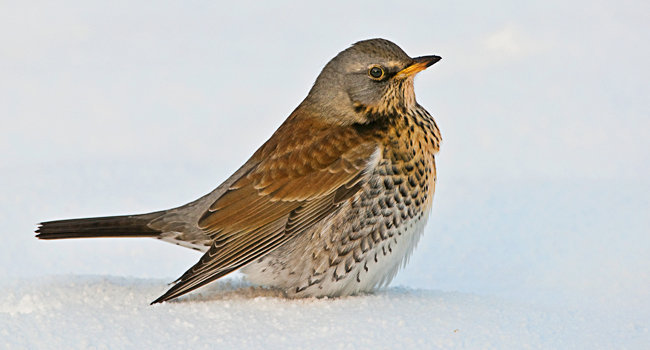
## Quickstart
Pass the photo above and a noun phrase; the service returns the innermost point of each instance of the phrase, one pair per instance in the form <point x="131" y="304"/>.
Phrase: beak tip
<point x="430" y="60"/>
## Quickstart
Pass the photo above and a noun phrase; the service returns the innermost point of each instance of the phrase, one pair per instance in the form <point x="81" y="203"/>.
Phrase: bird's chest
<point x="373" y="235"/>
<point x="364" y="243"/>
<point x="403" y="181"/>
<point x="391" y="214"/>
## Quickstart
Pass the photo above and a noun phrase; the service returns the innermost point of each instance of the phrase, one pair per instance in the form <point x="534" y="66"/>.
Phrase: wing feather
<point x="300" y="176"/>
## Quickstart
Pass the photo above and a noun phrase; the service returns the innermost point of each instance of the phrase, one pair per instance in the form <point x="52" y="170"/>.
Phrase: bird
<point x="333" y="204"/>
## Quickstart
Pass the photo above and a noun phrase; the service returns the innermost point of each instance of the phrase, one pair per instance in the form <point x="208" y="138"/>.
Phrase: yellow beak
<point x="419" y="64"/>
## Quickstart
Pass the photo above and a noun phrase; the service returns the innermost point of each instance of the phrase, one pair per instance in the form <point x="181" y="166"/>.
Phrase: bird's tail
<point x="108" y="226"/>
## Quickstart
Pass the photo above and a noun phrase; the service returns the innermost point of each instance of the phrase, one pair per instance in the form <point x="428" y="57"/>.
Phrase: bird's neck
<point x="404" y="125"/>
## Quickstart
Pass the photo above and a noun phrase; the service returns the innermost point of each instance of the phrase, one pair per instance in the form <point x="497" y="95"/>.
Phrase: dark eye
<point x="376" y="72"/>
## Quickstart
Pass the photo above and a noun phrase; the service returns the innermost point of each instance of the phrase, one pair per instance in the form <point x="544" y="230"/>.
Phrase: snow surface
<point x="108" y="312"/>
<point x="540" y="232"/>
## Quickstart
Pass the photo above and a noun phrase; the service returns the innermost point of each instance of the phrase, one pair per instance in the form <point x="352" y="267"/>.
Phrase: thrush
<point x="332" y="204"/>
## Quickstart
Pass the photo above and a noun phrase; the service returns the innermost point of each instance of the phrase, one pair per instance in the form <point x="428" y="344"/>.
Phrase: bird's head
<point x="369" y="79"/>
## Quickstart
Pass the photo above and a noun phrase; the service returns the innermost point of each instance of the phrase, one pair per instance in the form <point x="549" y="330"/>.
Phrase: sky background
<point x="544" y="172"/>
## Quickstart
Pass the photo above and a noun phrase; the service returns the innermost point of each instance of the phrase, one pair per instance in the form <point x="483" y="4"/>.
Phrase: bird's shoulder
<point x="305" y="160"/>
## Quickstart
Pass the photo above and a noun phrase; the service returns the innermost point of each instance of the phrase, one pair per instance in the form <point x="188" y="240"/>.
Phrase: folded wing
<point x="300" y="176"/>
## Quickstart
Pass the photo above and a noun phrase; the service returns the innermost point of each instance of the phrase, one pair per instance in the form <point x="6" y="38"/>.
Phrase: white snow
<point x="540" y="232"/>
<point x="109" y="312"/>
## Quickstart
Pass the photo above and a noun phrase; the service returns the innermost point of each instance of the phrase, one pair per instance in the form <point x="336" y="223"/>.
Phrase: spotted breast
<point x="362" y="245"/>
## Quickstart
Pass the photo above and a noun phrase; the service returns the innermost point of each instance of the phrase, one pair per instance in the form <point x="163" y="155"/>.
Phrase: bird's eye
<point x="376" y="72"/>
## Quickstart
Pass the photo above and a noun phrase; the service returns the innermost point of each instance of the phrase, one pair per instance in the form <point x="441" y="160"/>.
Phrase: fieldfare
<point x="331" y="205"/>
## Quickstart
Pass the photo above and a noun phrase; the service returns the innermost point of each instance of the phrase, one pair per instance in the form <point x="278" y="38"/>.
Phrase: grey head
<point x="371" y="77"/>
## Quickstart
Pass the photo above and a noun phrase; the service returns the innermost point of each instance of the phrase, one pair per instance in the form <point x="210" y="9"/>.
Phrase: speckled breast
<point x="364" y="243"/>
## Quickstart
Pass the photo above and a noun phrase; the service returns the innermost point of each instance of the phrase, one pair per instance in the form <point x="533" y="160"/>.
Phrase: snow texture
<point x="108" y="312"/>
<point x="540" y="231"/>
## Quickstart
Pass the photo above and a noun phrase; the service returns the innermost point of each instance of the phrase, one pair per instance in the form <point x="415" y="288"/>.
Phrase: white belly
<point x="292" y="271"/>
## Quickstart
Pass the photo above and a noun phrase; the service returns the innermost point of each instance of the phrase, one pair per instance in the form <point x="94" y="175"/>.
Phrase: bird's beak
<point x="419" y="64"/>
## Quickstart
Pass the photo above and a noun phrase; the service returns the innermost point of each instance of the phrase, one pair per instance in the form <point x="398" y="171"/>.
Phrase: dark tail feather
<point x="109" y="226"/>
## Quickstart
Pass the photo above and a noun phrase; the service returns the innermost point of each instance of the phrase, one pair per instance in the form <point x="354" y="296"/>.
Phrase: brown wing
<point x="300" y="176"/>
